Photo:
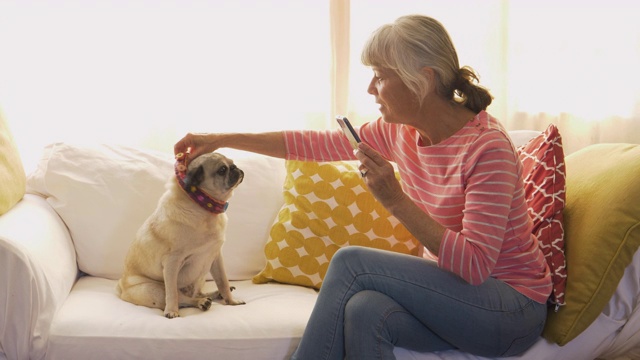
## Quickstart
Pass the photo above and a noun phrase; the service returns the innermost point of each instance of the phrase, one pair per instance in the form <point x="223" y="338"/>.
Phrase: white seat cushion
<point x="95" y="321"/>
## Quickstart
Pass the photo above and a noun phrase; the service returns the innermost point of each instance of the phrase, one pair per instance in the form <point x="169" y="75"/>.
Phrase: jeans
<point x="373" y="300"/>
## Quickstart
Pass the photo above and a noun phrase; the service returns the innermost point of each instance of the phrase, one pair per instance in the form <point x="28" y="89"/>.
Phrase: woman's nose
<point x="371" y="89"/>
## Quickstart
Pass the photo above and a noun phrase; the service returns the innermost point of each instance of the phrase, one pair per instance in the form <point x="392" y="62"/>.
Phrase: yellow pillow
<point x="12" y="176"/>
<point x="602" y="232"/>
<point x="327" y="206"/>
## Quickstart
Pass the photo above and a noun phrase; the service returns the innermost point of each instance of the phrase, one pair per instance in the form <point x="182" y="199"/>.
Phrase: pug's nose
<point x="236" y="175"/>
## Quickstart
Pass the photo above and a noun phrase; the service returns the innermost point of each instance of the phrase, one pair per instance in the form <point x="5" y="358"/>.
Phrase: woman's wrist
<point x="399" y="204"/>
<point x="418" y="222"/>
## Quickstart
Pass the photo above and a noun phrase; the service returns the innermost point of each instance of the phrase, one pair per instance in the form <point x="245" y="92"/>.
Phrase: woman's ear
<point x="430" y="75"/>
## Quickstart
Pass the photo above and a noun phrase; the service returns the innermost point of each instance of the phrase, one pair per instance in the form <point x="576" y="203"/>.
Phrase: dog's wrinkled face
<point x="215" y="174"/>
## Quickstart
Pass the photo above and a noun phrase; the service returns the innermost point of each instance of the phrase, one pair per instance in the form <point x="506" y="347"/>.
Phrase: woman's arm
<point x="473" y="251"/>
<point x="424" y="228"/>
<point x="381" y="180"/>
<point x="268" y="143"/>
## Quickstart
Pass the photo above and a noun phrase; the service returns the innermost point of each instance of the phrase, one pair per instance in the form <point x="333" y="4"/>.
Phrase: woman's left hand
<point x="379" y="175"/>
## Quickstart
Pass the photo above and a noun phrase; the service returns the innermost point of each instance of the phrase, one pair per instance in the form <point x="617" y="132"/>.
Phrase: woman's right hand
<point x="268" y="143"/>
<point x="197" y="143"/>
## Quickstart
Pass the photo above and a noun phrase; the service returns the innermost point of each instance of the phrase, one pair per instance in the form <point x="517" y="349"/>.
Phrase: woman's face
<point x="397" y="103"/>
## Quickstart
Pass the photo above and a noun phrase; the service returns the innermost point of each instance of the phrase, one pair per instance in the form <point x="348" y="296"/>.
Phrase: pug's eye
<point x="222" y="170"/>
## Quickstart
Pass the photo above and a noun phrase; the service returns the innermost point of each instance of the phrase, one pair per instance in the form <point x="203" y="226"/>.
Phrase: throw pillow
<point x="327" y="206"/>
<point x="103" y="194"/>
<point x="12" y="176"/>
<point x="544" y="186"/>
<point x="602" y="232"/>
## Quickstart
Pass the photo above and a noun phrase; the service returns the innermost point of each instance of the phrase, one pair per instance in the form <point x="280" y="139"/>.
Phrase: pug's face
<point x="215" y="174"/>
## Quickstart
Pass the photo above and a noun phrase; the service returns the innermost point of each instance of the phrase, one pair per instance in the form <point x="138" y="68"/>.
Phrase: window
<point x="146" y="72"/>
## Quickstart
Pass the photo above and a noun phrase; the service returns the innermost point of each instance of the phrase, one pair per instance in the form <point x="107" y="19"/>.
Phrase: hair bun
<point x="470" y="94"/>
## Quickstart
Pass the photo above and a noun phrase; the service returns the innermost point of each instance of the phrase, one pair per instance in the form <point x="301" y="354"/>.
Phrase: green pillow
<point x="12" y="176"/>
<point x="602" y="232"/>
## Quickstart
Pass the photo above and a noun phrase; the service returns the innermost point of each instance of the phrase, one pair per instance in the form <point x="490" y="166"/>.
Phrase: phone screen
<point x="348" y="131"/>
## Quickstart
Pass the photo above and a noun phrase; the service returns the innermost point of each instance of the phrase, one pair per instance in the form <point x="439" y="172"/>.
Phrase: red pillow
<point x="544" y="186"/>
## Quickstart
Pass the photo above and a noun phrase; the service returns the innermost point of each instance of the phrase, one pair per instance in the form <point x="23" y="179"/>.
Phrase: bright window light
<point x="146" y="72"/>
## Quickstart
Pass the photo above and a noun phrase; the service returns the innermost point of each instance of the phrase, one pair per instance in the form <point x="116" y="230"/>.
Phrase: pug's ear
<point x="194" y="177"/>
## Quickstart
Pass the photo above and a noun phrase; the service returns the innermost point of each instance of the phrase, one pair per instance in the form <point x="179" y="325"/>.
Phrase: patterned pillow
<point x="544" y="185"/>
<point x="327" y="206"/>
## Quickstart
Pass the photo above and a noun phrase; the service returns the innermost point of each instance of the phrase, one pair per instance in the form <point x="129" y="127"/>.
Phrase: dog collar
<point x="195" y="193"/>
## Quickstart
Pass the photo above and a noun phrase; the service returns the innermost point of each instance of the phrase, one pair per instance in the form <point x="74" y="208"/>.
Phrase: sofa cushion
<point x="104" y="193"/>
<point x="327" y="206"/>
<point x="602" y="232"/>
<point x="94" y="323"/>
<point x="544" y="186"/>
<point x="12" y="176"/>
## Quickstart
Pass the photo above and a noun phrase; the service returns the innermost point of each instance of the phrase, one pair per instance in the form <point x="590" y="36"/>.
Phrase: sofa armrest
<point x="521" y="137"/>
<point x="37" y="270"/>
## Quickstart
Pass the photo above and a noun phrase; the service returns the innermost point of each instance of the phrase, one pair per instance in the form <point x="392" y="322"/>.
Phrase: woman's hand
<point x="268" y="143"/>
<point x="196" y="144"/>
<point x="380" y="177"/>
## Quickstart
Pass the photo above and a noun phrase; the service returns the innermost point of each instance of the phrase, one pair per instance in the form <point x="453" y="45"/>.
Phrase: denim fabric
<point x="373" y="300"/>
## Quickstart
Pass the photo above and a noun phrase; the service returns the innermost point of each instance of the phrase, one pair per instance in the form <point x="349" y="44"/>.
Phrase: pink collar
<point x="196" y="194"/>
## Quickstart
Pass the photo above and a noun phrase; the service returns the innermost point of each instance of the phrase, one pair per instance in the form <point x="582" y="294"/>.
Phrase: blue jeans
<point x="373" y="300"/>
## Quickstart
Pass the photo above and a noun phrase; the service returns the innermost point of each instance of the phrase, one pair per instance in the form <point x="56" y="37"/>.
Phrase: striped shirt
<point x="471" y="183"/>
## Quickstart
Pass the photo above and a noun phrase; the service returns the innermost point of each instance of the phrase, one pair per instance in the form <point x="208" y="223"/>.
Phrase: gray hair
<point x="413" y="42"/>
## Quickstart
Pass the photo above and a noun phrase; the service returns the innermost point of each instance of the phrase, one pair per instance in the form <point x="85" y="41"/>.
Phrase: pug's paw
<point x="171" y="314"/>
<point x="204" y="304"/>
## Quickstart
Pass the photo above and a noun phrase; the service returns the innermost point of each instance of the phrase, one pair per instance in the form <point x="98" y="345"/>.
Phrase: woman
<point x="461" y="195"/>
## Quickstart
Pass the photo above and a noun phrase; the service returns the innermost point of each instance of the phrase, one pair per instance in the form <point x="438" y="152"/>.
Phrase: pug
<point x="180" y="243"/>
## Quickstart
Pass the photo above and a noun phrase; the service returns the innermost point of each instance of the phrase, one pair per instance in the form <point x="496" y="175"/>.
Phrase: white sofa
<point x="62" y="249"/>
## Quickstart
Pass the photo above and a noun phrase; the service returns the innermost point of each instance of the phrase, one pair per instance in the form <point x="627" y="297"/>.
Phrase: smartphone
<point x="348" y="131"/>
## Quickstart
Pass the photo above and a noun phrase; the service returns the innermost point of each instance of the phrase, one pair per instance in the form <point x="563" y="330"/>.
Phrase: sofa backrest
<point x="104" y="193"/>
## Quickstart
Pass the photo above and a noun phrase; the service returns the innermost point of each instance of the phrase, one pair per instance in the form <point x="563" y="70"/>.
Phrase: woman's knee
<point x="348" y="253"/>
<point x="364" y="318"/>
<point x="369" y="323"/>
<point x="357" y="309"/>
<point x="347" y="259"/>
<point x="368" y="309"/>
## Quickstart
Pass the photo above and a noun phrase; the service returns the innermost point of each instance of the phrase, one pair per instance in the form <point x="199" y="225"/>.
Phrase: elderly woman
<point x="461" y="195"/>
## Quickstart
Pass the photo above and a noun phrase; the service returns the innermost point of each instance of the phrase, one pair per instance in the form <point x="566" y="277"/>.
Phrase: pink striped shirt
<point x="470" y="183"/>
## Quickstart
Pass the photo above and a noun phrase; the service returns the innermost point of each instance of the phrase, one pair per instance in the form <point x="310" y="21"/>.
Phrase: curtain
<point x="145" y="72"/>
<point x="574" y="64"/>
<point x="569" y="63"/>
